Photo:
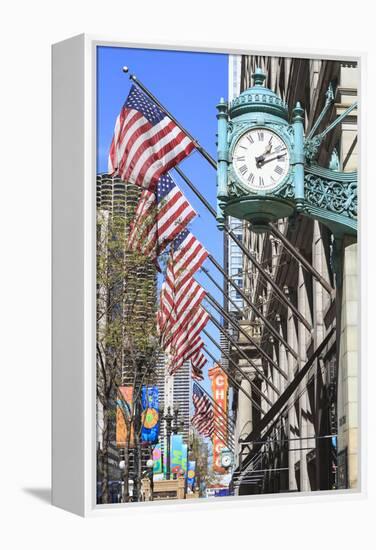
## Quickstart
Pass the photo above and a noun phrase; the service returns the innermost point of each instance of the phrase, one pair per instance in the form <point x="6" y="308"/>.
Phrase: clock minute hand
<point x="261" y="160"/>
<point x="264" y="161"/>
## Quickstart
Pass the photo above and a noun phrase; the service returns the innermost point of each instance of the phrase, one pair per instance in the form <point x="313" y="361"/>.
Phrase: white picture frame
<point x="73" y="268"/>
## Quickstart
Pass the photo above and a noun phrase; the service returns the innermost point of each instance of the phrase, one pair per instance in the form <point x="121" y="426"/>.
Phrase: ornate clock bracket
<point x="324" y="194"/>
<point x="330" y="195"/>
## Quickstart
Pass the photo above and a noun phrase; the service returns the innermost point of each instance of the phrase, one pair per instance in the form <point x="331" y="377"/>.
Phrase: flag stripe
<point x="160" y="140"/>
<point x="177" y="148"/>
<point x="187" y="341"/>
<point x="136" y="138"/>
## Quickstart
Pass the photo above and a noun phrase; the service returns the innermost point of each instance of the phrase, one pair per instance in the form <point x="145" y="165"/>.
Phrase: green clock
<point x="226" y="458"/>
<point x="261" y="159"/>
<point x="267" y="168"/>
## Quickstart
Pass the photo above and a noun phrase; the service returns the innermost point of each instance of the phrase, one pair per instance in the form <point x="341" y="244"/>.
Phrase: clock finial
<point x="258" y="77"/>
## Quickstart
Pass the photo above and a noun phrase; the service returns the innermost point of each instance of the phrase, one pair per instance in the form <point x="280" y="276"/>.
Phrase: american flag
<point x="146" y="142"/>
<point x="188" y="255"/>
<point x="177" y="304"/>
<point x="187" y="341"/>
<point x="203" y="418"/>
<point x="159" y="218"/>
<point x="198" y="361"/>
<point x="179" y="289"/>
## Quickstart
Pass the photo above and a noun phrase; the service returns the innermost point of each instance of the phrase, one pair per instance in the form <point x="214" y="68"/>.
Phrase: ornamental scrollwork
<point x="311" y="148"/>
<point x="236" y="190"/>
<point x="335" y="196"/>
<point x="287" y="191"/>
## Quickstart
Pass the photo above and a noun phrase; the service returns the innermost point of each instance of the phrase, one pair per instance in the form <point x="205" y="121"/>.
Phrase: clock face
<point x="226" y="461"/>
<point x="261" y="159"/>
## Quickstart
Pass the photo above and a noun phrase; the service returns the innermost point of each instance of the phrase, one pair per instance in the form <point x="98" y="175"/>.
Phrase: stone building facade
<point x="311" y="440"/>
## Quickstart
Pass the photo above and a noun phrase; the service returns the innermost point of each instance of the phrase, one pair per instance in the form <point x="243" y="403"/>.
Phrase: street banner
<point x="157" y="458"/>
<point x="176" y="453"/>
<point x="184" y="459"/>
<point x="150" y="414"/>
<point x="219" y="389"/>
<point x="123" y="410"/>
<point x="191" y="474"/>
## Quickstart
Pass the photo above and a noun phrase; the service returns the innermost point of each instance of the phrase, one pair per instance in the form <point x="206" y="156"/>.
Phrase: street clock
<point x="261" y="160"/>
<point x="227" y="458"/>
<point x="267" y="167"/>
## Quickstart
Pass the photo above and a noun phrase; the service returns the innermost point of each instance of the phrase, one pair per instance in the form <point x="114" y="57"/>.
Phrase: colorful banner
<point x="157" y="458"/>
<point x="123" y="410"/>
<point x="150" y="414"/>
<point x="191" y="474"/>
<point x="219" y="388"/>
<point x="184" y="460"/>
<point x="176" y="454"/>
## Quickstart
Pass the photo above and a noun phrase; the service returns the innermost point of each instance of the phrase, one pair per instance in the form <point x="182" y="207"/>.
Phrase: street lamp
<point x="172" y="427"/>
<point x="149" y="473"/>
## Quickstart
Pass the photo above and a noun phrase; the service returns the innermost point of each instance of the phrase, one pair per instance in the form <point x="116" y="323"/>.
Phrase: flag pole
<point x="235" y="366"/>
<point x="220" y="436"/>
<point x="217" y="324"/>
<point x="251" y="340"/>
<point x="227" y="439"/>
<point x="232" y="320"/>
<point x="199" y="147"/>
<point x="246" y="252"/>
<point x="220" y="409"/>
<point x="213" y="303"/>
<point x="253" y="307"/>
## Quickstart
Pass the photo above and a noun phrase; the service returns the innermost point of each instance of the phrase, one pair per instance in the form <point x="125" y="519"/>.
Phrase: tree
<point x="199" y="452"/>
<point x="127" y="343"/>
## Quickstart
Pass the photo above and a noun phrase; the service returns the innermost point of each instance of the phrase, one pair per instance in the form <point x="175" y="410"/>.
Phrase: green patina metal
<point x="325" y="194"/>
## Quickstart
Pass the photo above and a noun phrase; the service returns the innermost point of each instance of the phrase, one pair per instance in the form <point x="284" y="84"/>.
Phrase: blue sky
<point x="189" y="85"/>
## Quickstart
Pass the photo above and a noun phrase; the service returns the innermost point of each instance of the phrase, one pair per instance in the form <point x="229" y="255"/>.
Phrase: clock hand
<point x="264" y="161"/>
<point x="261" y="159"/>
<point x="266" y="152"/>
<point x="267" y="149"/>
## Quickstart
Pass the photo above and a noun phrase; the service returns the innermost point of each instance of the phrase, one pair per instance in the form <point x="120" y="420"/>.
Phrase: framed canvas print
<point x="205" y="275"/>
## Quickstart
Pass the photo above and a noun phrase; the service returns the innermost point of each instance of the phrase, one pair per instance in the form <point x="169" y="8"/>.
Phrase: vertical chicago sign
<point x="219" y="388"/>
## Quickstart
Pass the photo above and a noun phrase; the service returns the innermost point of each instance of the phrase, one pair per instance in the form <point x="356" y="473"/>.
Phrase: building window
<point x="236" y="261"/>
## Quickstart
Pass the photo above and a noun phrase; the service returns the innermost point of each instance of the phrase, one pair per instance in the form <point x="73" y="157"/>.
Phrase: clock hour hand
<point x="266" y="152"/>
<point x="267" y="149"/>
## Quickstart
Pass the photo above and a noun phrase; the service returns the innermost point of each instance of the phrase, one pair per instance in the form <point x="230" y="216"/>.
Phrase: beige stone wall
<point x="348" y="365"/>
<point x="317" y="305"/>
<point x="347" y="95"/>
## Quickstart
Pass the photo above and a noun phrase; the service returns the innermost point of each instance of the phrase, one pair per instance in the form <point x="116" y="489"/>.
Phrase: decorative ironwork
<point x="328" y="103"/>
<point x="312" y="144"/>
<point x="334" y="196"/>
<point x="287" y="192"/>
<point x="311" y="148"/>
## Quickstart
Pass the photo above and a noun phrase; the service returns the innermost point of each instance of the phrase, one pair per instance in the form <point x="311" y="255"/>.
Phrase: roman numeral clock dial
<point x="261" y="159"/>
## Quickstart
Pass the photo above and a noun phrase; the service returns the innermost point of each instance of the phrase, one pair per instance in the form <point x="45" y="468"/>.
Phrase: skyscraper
<point x="174" y="391"/>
